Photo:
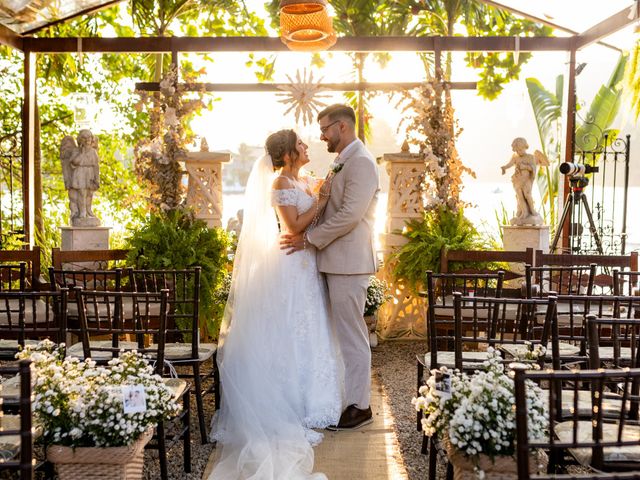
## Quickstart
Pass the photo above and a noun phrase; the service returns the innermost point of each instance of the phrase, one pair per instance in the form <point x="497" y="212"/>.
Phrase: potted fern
<point x="175" y="239"/>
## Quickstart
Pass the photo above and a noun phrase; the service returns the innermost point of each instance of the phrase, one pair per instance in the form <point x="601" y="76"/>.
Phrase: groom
<point x="346" y="253"/>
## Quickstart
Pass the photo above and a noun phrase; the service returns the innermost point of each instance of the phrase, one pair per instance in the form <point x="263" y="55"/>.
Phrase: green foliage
<point x="547" y="110"/>
<point x="177" y="240"/>
<point x="632" y="78"/>
<point x="426" y="237"/>
<point x="602" y="112"/>
<point x="446" y="17"/>
<point x="502" y="218"/>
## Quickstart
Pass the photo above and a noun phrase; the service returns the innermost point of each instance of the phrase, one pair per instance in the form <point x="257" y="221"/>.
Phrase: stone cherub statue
<point x="81" y="173"/>
<point x="523" y="177"/>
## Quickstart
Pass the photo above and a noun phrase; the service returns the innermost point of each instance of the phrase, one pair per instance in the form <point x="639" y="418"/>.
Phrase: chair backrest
<point x="32" y="260"/>
<point x="101" y="315"/>
<point x="595" y="441"/>
<point x="13" y="277"/>
<point x="16" y="434"/>
<point x="570" y="326"/>
<point x="604" y="265"/>
<point x="440" y="289"/>
<point x="28" y="316"/>
<point x="614" y="341"/>
<point x="574" y="280"/>
<point x="88" y="259"/>
<point x="103" y="280"/>
<point x="626" y="283"/>
<point x="447" y="257"/>
<point x="481" y="322"/>
<point x="184" y="300"/>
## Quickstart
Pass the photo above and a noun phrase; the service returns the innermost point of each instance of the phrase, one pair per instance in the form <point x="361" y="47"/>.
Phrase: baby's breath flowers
<point x="478" y="416"/>
<point x="376" y="295"/>
<point x="81" y="404"/>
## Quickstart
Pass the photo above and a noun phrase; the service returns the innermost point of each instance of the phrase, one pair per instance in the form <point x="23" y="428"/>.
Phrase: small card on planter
<point x="134" y="398"/>
<point x="443" y="384"/>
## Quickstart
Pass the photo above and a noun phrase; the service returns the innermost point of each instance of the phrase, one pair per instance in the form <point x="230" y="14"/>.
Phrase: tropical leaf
<point x="547" y="110"/>
<point x="602" y="112"/>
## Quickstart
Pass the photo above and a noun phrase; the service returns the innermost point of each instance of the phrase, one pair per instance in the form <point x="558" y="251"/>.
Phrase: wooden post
<point x="28" y="145"/>
<point x="569" y="145"/>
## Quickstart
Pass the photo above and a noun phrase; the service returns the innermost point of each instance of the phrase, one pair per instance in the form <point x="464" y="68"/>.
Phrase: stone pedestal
<point x="204" y="190"/>
<point x="85" y="238"/>
<point x="403" y="316"/>
<point x="521" y="237"/>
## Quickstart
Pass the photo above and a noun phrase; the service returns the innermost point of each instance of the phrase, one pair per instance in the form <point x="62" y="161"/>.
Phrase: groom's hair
<point x="338" y="111"/>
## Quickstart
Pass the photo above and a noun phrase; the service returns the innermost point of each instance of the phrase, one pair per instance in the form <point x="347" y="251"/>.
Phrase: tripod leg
<point x="568" y="205"/>
<point x="592" y="224"/>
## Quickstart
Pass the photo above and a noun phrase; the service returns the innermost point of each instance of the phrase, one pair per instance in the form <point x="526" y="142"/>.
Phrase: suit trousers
<point x="347" y="297"/>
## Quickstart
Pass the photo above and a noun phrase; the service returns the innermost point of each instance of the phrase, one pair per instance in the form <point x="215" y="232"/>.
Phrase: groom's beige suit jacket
<point x="345" y="234"/>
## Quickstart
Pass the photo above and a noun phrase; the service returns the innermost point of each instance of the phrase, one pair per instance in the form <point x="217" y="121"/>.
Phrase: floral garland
<point x="432" y="127"/>
<point x="157" y="157"/>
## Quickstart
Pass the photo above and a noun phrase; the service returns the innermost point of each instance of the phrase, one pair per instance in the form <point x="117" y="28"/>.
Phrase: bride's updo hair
<point x="279" y="144"/>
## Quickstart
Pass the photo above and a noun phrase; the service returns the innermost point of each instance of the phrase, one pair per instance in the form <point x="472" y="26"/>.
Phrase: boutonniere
<point x="336" y="167"/>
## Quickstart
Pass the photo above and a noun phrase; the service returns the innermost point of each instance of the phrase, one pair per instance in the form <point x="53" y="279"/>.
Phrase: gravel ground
<point x="394" y="366"/>
<point x="199" y="453"/>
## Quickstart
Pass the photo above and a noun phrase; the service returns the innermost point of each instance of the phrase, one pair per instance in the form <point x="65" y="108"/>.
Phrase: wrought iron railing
<point x="607" y="195"/>
<point x="11" y="202"/>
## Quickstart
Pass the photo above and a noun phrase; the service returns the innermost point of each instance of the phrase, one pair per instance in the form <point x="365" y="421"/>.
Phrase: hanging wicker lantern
<point x="305" y="25"/>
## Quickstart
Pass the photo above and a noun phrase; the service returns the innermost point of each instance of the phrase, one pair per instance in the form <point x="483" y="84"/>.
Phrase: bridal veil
<point x="260" y="435"/>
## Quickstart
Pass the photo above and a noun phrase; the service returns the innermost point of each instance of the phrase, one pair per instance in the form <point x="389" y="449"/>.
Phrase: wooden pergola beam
<point x="609" y="26"/>
<point x="275" y="87"/>
<point x="273" y="44"/>
<point x="10" y="38"/>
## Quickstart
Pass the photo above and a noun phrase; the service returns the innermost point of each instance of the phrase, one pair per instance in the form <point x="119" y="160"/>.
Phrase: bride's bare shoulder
<point x="282" y="183"/>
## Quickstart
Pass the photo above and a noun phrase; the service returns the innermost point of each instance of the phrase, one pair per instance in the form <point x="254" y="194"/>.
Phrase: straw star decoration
<point x="303" y="95"/>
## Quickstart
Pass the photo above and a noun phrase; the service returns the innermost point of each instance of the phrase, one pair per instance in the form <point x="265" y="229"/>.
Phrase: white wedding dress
<point x="280" y="368"/>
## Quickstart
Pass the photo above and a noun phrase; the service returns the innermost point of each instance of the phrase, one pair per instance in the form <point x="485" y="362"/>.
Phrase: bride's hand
<point x="291" y="243"/>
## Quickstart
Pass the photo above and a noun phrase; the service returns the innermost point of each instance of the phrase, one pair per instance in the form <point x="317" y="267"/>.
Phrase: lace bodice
<point x="292" y="197"/>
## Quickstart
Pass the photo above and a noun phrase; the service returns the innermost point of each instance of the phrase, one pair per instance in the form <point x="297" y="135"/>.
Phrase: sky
<point x="488" y="127"/>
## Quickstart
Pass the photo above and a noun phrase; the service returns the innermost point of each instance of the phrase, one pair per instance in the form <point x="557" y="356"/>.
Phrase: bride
<point x="281" y="372"/>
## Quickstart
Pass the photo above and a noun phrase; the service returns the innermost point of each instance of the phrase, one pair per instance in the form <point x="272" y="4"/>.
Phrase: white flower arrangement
<point x="478" y="413"/>
<point x="80" y="404"/>
<point x="376" y="295"/>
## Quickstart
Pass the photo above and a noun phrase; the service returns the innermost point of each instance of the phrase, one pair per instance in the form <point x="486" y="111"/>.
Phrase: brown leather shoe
<point x="353" y="418"/>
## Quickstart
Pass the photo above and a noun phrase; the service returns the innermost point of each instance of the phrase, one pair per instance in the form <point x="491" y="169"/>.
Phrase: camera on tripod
<point x="576" y="169"/>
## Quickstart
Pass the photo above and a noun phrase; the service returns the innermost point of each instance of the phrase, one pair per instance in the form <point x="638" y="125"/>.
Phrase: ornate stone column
<point x="404" y="315"/>
<point x="204" y="189"/>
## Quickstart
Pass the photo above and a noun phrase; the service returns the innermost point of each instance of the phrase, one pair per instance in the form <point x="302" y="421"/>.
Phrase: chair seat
<point x="127" y="309"/>
<point x="177" y="386"/>
<point x="76" y="350"/>
<point x="612" y="455"/>
<point x="10" y="444"/>
<point x="612" y="405"/>
<point x="606" y="353"/>
<point x="518" y="350"/>
<point x="447" y="359"/>
<point x="10" y="310"/>
<point x="446" y="309"/>
<point x="9" y="344"/>
<point x="182" y="351"/>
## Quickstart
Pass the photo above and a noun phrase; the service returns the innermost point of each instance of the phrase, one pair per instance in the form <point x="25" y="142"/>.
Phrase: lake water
<point x="486" y="198"/>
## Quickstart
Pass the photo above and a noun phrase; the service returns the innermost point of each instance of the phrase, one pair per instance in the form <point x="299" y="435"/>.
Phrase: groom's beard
<point x="331" y="146"/>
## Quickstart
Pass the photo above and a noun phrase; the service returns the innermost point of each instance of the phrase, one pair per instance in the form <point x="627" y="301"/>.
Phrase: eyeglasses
<point x="323" y="130"/>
